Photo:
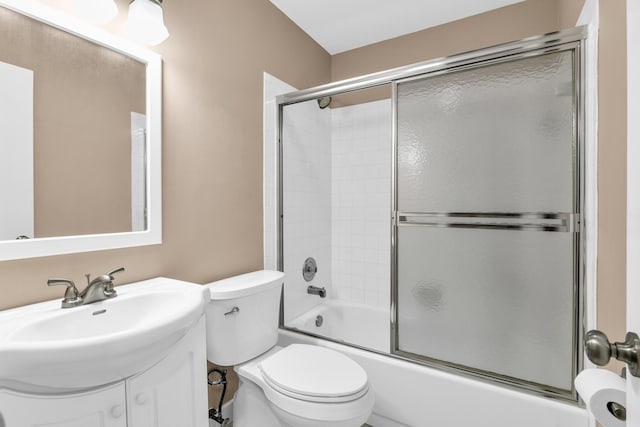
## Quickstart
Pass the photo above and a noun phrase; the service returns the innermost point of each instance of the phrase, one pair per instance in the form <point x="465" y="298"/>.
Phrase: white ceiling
<point x="341" y="25"/>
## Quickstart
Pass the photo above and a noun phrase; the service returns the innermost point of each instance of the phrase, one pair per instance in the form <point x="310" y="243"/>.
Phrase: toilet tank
<point x="242" y="316"/>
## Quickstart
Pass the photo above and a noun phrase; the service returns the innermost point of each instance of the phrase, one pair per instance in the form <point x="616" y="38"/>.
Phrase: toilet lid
<point x="309" y="371"/>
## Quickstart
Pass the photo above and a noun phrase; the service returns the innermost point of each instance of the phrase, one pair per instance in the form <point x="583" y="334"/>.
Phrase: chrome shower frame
<point x="567" y="40"/>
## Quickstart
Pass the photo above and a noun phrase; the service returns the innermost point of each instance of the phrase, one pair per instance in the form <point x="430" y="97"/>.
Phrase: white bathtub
<point x="408" y="394"/>
<point x="349" y="322"/>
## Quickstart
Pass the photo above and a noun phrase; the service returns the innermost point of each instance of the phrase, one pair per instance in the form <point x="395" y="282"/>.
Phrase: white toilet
<point x="294" y="386"/>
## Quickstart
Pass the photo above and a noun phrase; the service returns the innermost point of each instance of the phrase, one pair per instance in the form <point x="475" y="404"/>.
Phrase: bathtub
<point x="357" y="324"/>
<point x="409" y="394"/>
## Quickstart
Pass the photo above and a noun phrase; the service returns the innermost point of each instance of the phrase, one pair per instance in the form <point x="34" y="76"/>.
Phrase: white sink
<point x="46" y="348"/>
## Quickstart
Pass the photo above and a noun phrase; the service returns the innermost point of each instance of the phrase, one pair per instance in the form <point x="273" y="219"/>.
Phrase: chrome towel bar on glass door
<point x="558" y="222"/>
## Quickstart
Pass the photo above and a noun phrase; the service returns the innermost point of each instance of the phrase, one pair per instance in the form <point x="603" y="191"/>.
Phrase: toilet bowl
<point x="310" y="386"/>
<point x="294" y="386"/>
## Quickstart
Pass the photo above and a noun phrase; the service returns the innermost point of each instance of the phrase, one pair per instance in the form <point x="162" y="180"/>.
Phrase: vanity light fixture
<point x="99" y="11"/>
<point x="146" y="22"/>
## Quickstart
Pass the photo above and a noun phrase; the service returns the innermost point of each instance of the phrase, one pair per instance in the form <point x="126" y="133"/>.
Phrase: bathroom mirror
<point x="80" y="136"/>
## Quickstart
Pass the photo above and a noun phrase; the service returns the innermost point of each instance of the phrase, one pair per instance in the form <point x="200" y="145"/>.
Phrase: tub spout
<point x="315" y="290"/>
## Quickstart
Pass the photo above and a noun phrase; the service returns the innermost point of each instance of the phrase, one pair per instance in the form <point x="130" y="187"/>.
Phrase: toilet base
<point x="251" y="408"/>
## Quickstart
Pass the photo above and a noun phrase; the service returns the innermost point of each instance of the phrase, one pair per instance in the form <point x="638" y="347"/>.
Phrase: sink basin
<point x="44" y="348"/>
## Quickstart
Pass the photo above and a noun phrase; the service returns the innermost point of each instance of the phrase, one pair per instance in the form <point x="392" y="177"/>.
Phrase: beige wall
<point x="568" y="12"/>
<point x="530" y="18"/>
<point x="212" y="147"/>
<point x="612" y="164"/>
<point x="83" y="98"/>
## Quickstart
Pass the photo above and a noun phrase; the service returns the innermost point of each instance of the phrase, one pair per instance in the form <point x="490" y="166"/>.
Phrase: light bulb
<point x="99" y="11"/>
<point x="146" y="22"/>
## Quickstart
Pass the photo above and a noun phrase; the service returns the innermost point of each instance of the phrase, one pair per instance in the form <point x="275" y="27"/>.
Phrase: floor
<point x="213" y="424"/>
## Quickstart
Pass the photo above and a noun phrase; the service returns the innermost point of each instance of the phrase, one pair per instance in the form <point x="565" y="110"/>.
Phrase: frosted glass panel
<point x="499" y="301"/>
<point x="497" y="138"/>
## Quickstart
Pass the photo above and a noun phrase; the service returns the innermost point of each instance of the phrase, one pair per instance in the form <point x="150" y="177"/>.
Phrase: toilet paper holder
<point x="599" y="350"/>
<point x="617" y="410"/>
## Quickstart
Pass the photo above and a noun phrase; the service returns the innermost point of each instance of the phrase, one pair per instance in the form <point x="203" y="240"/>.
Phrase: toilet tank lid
<point x="245" y="284"/>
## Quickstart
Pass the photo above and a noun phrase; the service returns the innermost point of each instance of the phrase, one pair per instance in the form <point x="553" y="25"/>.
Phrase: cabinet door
<point x="173" y="392"/>
<point x="99" y="408"/>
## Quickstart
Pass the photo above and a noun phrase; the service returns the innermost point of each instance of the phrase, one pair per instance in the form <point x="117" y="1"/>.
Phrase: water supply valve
<point x="216" y="414"/>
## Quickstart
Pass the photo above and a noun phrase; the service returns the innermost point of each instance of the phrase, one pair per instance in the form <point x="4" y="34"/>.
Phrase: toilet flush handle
<point x="233" y="310"/>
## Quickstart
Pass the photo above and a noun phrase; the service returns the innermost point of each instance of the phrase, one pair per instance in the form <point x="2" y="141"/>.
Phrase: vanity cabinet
<point x="169" y="394"/>
<point x="174" y="392"/>
<point x="105" y="407"/>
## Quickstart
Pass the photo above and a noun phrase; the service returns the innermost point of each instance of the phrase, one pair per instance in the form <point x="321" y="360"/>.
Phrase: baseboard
<point x="376" y="420"/>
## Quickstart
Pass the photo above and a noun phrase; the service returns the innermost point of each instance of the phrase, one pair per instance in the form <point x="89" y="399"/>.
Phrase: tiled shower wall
<point x="361" y="203"/>
<point x="306" y="202"/>
<point x="307" y="194"/>
<point x="337" y="199"/>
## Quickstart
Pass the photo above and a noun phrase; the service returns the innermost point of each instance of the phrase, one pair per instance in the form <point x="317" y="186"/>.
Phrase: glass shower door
<point x="487" y="219"/>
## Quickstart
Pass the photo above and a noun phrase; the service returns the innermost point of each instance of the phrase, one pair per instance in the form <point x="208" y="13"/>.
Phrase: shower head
<point x="324" y="102"/>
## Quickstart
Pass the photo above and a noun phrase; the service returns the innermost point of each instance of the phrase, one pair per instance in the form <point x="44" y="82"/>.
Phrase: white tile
<point x="371" y="298"/>
<point x="357" y="295"/>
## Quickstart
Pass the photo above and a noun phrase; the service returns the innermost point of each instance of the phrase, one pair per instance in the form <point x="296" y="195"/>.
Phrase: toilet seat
<point x="318" y="408"/>
<point x="314" y="374"/>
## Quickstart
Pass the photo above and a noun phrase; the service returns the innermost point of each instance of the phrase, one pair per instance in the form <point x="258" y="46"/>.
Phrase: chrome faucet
<point x="98" y="289"/>
<point x="315" y="290"/>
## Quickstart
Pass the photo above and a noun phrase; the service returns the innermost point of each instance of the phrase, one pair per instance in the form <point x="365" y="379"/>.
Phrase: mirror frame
<point x="48" y="246"/>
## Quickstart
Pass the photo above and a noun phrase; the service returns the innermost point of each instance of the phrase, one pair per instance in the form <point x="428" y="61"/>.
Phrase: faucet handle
<point x="109" y="291"/>
<point x="114" y="271"/>
<point x="71" y="297"/>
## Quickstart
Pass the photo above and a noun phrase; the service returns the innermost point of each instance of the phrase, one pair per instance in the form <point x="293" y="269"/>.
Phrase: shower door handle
<point x="599" y="350"/>
<point x="532" y="221"/>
